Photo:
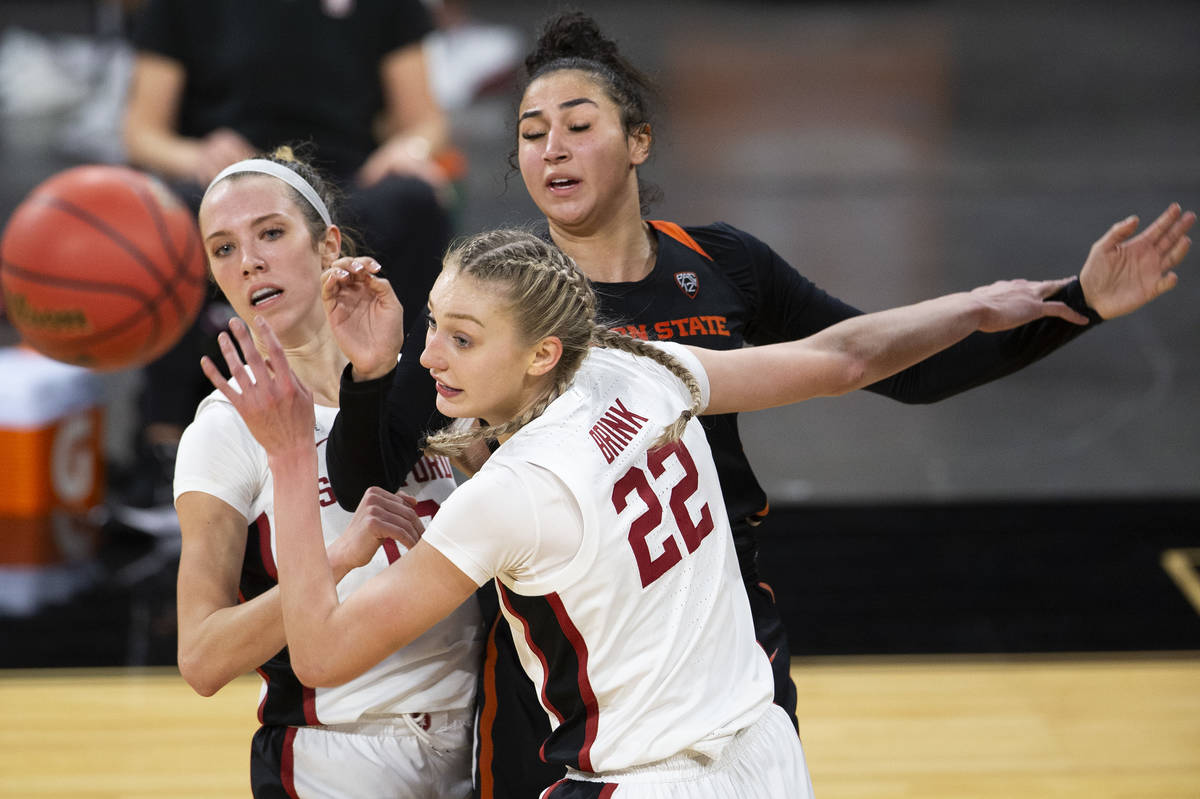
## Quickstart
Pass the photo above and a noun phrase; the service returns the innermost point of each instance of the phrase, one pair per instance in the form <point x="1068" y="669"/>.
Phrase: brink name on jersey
<point x="615" y="429"/>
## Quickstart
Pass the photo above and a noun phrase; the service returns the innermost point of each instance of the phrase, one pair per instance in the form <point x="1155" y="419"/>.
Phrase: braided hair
<point x="547" y="295"/>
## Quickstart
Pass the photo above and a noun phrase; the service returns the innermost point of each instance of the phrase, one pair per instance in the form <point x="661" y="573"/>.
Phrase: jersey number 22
<point x="651" y="568"/>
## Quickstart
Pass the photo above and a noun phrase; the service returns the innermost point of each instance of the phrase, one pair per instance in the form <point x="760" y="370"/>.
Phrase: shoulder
<point x="216" y="431"/>
<point x="687" y="357"/>
<point x="516" y="496"/>
<point x="729" y="250"/>
<point x="217" y="455"/>
<point x="719" y="241"/>
<point x="215" y="411"/>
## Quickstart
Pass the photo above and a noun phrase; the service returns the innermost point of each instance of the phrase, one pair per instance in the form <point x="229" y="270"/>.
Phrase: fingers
<point x="346" y="273"/>
<point x="254" y="362"/>
<point x="1175" y="237"/>
<point x="1047" y="288"/>
<point x="231" y="354"/>
<point x="357" y="265"/>
<point x="275" y="353"/>
<point x="1119" y="232"/>
<point x="1064" y="311"/>
<point x="392" y="516"/>
<point x="397" y="501"/>
<point x="1166" y="283"/>
<point x="1159" y="227"/>
<point x="1176" y="253"/>
<point x="217" y="379"/>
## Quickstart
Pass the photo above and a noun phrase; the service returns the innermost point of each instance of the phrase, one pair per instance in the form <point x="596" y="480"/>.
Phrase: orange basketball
<point x="102" y="266"/>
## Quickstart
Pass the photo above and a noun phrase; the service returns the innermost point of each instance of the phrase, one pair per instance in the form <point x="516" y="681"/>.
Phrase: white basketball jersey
<point x="643" y="646"/>
<point x="219" y="456"/>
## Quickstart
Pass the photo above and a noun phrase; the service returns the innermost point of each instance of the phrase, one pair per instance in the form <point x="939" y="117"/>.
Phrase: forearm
<point x="877" y="345"/>
<point x="161" y="151"/>
<point x="846" y="356"/>
<point x="237" y="639"/>
<point x="230" y="642"/>
<point x="354" y="452"/>
<point x="307" y="583"/>
<point x="983" y="357"/>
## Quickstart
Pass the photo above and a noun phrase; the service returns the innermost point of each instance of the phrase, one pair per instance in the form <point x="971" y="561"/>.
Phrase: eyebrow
<point x="257" y="220"/>
<point x="534" y="112"/>
<point x="429" y="312"/>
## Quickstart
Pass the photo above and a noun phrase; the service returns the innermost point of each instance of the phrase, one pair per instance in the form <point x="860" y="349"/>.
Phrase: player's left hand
<point x="366" y="317"/>
<point x="1122" y="274"/>
<point x="380" y="516"/>
<point x="1011" y="303"/>
<point x="276" y="407"/>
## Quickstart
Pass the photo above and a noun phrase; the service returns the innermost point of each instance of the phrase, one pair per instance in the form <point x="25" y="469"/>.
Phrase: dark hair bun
<point x="572" y="35"/>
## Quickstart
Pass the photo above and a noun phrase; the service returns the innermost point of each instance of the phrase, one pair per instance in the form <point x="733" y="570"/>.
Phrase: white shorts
<point x="423" y="756"/>
<point x="764" y="761"/>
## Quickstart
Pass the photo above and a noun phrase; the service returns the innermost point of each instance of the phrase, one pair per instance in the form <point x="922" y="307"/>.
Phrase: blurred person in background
<point x="216" y="82"/>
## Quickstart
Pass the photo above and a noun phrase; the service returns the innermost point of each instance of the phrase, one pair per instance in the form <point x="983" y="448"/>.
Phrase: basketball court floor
<point x="991" y="596"/>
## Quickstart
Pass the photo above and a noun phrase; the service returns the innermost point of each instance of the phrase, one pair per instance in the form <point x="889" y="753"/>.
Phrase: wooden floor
<point x="952" y="727"/>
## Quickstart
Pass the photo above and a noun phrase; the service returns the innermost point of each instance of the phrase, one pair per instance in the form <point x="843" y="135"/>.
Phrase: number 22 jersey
<point x="615" y="569"/>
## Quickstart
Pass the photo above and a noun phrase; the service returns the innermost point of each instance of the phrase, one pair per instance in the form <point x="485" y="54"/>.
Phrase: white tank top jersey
<point x="219" y="456"/>
<point x="640" y="643"/>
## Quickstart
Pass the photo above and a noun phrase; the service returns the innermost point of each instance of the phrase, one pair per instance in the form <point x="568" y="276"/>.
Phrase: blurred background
<point x="890" y="152"/>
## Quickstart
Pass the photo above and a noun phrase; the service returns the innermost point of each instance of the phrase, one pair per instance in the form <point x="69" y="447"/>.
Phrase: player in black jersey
<point x="583" y="129"/>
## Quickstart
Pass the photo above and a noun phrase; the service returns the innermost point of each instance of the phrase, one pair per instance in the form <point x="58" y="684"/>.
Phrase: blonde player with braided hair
<point x="599" y="514"/>
<point x="535" y="272"/>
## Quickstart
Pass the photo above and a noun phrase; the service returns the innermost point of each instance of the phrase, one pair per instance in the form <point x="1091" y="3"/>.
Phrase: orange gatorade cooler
<point x="51" y="450"/>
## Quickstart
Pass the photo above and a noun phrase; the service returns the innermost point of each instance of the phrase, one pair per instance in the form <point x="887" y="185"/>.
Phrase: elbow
<point x="204" y="670"/>
<point x="315" y="672"/>
<point x="851" y="374"/>
<point x="203" y="681"/>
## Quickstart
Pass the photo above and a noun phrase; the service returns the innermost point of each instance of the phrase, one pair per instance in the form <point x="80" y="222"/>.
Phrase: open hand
<point x="276" y="407"/>
<point x="381" y="516"/>
<point x="1012" y="303"/>
<point x="366" y="318"/>
<point x="1122" y="274"/>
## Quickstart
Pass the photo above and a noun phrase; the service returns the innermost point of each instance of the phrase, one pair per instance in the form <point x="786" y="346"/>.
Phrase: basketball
<point x="102" y="266"/>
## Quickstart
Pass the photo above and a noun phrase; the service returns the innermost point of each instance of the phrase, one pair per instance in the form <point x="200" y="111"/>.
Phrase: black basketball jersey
<point x="705" y="290"/>
<point x="711" y="286"/>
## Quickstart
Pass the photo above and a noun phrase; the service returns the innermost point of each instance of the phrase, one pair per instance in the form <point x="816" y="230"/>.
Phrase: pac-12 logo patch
<point x="688" y="282"/>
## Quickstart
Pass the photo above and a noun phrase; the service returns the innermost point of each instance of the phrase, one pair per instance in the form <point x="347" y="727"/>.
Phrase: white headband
<point x="276" y="170"/>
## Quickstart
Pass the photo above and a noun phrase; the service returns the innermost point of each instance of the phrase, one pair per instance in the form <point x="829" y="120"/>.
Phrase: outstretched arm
<point x="865" y="349"/>
<point x="792" y="308"/>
